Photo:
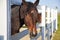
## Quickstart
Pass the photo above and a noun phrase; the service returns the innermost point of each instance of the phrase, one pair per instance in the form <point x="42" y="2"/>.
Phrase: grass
<point x="57" y="34"/>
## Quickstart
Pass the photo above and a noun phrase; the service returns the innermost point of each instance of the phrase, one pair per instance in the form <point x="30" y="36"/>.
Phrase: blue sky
<point x="49" y="3"/>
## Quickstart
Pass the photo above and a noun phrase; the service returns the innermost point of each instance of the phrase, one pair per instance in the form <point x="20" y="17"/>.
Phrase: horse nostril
<point x="32" y="35"/>
<point x="35" y="34"/>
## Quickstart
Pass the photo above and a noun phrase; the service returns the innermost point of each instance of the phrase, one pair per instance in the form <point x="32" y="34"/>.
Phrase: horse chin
<point x="32" y="35"/>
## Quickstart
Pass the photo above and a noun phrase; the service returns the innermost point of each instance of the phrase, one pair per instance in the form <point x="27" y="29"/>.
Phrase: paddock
<point x="48" y="24"/>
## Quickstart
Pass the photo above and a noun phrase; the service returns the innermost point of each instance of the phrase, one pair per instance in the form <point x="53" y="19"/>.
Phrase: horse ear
<point x="36" y="3"/>
<point x="23" y="1"/>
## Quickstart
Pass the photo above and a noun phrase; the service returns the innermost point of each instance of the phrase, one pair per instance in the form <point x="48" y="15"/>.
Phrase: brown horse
<point x="15" y="23"/>
<point x="28" y="15"/>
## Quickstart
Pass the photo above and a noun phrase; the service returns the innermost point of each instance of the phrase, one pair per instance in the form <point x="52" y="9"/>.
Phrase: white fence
<point x="49" y="20"/>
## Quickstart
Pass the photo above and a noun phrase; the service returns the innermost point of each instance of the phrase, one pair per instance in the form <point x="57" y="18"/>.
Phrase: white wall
<point x="3" y="19"/>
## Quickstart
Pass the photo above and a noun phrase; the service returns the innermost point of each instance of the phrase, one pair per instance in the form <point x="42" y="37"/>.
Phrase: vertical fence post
<point x="52" y="18"/>
<point x="9" y="19"/>
<point x="43" y="22"/>
<point x="56" y="18"/>
<point x="48" y="18"/>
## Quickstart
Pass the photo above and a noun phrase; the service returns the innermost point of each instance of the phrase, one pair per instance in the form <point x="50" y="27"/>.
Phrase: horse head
<point x="29" y="13"/>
